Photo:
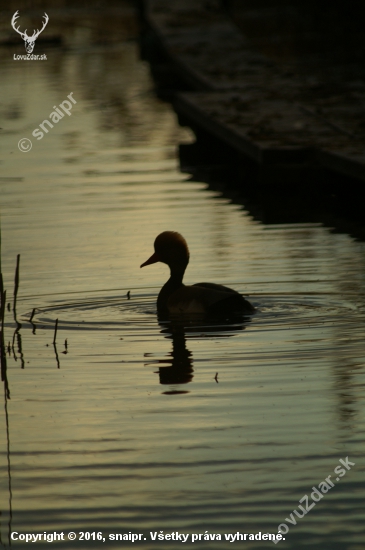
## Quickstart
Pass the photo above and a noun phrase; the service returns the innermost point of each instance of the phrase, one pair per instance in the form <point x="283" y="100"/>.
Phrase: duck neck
<point x="175" y="281"/>
<point x="176" y="275"/>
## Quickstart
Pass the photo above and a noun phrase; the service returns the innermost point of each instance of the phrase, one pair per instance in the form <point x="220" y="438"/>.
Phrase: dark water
<point x="129" y="428"/>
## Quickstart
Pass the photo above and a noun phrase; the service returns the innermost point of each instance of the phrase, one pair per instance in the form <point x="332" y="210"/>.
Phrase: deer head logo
<point x="29" y="40"/>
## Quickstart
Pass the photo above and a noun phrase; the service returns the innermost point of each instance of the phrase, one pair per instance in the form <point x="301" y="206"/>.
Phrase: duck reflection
<point x="177" y="366"/>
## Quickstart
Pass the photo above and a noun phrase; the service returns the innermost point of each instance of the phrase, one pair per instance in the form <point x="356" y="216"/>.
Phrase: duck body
<point x="201" y="298"/>
<point x="175" y="298"/>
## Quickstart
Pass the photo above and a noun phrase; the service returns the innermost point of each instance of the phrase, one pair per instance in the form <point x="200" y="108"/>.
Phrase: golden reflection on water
<point x="140" y="425"/>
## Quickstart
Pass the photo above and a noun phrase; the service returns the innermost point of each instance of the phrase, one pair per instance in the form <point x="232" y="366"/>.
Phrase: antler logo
<point x="29" y="40"/>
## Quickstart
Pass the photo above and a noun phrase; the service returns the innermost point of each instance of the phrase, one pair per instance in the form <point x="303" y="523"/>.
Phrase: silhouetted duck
<point x="203" y="298"/>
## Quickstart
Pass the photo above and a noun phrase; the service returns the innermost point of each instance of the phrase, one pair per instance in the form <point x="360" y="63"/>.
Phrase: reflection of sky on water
<point x="110" y="439"/>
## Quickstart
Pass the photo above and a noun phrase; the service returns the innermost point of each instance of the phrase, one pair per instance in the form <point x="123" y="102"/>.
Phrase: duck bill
<point x="152" y="260"/>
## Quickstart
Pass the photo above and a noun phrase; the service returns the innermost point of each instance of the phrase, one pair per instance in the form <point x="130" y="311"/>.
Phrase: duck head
<point x="171" y="249"/>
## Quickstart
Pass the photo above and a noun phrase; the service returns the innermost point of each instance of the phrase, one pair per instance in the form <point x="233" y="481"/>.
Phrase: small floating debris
<point x="216" y="377"/>
<point x="65" y="351"/>
<point x="129" y="295"/>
